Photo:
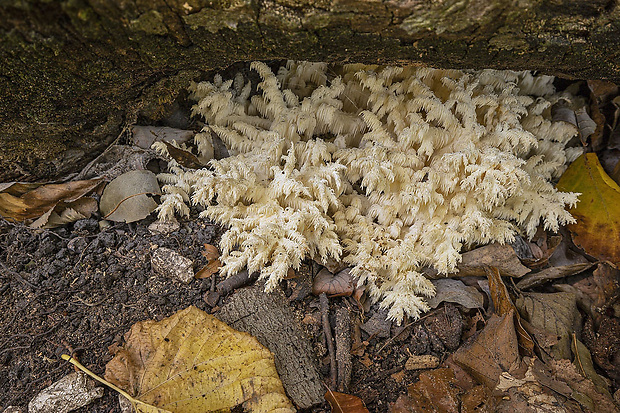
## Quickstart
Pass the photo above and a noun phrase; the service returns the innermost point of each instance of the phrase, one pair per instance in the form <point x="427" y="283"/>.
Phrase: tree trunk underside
<point x="74" y="72"/>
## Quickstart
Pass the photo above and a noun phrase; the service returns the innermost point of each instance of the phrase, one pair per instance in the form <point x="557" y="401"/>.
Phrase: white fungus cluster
<point x="388" y="169"/>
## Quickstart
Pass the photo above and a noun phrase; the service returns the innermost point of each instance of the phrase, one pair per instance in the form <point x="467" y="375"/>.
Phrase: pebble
<point x="169" y="263"/>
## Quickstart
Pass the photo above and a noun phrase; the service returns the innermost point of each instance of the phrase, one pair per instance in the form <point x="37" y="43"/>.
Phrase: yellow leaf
<point x="597" y="230"/>
<point x="191" y="362"/>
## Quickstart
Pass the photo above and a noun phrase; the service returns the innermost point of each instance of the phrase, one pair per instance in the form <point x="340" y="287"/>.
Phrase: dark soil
<point x="78" y="290"/>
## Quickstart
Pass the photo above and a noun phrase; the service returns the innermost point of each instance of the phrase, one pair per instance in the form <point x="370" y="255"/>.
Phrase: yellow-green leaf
<point x="192" y="362"/>
<point x="597" y="230"/>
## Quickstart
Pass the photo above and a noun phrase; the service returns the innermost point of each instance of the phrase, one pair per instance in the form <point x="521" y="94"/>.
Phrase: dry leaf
<point x="602" y="290"/>
<point x="542" y="247"/>
<point x="455" y="291"/>
<point x="126" y="198"/>
<point x="503" y="305"/>
<point x="585" y="366"/>
<point x="434" y="392"/>
<point x="211" y="252"/>
<point x="183" y="157"/>
<point x="555" y="313"/>
<point x="22" y="201"/>
<point x="597" y="230"/>
<point x="213" y="263"/>
<point x="144" y="136"/>
<point x="586" y="125"/>
<point x="551" y="273"/>
<point x="334" y="285"/>
<point x="192" y="362"/>
<point x="491" y="352"/>
<point x="502" y="257"/>
<point x="208" y="270"/>
<point x="345" y="403"/>
<point x="583" y="390"/>
<point x="528" y="393"/>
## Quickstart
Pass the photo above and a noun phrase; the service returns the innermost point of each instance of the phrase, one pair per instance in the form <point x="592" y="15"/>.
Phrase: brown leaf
<point x="491" y="352"/>
<point x="209" y="269"/>
<point x="555" y="313"/>
<point x="212" y="255"/>
<point x="585" y="366"/>
<point x="502" y="257"/>
<point x="435" y="391"/>
<point x="334" y="285"/>
<point x="542" y="247"/>
<point x="602" y="288"/>
<point x="597" y="230"/>
<point x="504" y="305"/>
<point x="211" y="252"/>
<point x="183" y="157"/>
<point x="583" y="390"/>
<point x="345" y="403"/>
<point x="455" y="291"/>
<point x="22" y="201"/>
<point x="551" y="273"/>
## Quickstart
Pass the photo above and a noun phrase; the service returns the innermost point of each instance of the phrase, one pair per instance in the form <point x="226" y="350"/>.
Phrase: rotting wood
<point x="269" y="318"/>
<point x="343" y="348"/>
<point x="73" y="73"/>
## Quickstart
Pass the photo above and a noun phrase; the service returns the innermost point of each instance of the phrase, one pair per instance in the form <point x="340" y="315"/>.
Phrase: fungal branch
<point x="388" y="169"/>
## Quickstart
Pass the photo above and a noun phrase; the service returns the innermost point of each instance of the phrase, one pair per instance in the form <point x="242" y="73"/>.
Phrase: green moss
<point x="150" y="22"/>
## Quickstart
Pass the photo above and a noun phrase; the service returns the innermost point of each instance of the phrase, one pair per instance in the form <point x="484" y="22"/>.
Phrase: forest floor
<point x="546" y="341"/>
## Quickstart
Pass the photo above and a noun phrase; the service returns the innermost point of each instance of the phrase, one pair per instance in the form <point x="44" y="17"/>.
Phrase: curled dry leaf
<point x="597" y="230"/>
<point x="334" y="285"/>
<point x="345" y="403"/>
<point x="212" y="255"/>
<point x="127" y="197"/>
<point x="191" y="362"/>
<point x="183" y="157"/>
<point x="552" y="273"/>
<point x="45" y="202"/>
<point x="503" y="305"/>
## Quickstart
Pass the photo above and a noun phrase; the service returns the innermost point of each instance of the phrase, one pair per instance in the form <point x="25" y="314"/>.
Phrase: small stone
<point x="426" y="361"/>
<point x="73" y="391"/>
<point x="164" y="227"/>
<point x="169" y="263"/>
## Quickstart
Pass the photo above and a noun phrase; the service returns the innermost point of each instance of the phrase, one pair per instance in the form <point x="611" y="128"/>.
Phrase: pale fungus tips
<point x="388" y="169"/>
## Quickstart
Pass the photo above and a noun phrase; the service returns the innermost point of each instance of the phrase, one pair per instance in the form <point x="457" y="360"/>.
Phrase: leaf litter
<point x="526" y="344"/>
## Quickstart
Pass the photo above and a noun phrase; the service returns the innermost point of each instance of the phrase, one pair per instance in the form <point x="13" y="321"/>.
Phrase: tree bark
<point x="73" y="72"/>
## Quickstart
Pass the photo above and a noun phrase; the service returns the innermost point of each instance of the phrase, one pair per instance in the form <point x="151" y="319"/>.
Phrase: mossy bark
<point x="73" y="72"/>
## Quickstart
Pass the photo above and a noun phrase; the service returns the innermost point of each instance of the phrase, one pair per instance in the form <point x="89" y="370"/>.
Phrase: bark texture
<point x="74" y="72"/>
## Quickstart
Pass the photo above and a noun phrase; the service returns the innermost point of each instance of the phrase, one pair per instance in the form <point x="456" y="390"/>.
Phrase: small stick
<point x="235" y="281"/>
<point x="343" y="348"/>
<point x="327" y="329"/>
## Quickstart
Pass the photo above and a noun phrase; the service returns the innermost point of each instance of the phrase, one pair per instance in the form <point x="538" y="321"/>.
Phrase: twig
<point x="233" y="282"/>
<point x="327" y="329"/>
<point x="343" y="348"/>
